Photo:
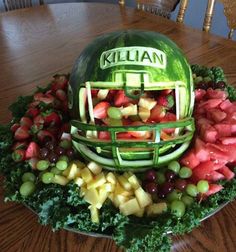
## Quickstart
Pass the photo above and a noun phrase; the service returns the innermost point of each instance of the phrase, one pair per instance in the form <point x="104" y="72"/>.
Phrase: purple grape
<point x="170" y="175"/>
<point x="161" y="194"/>
<point x="151" y="187"/>
<point x="53" y="157"/>
<point x="180" y="184"/>
<point x="60" y="151"/>
<point x="150" y="175"/>
<point x="50" y="145"/>
<point x="43" y="153"/>
<point x="167" y="187"/>
<point x="220" y="84"/>
<point x="70" y="153"/>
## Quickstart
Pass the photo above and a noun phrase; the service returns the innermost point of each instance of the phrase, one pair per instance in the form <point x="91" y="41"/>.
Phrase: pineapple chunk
<point x="103" y="195"/>
<point x="133" y="180"/>
<point x="108" y="187"/>
<point x="144" y="113"/>
<point x="119" y="199"/>
<point x="119" y="190"/>
<point x="140" y="213"/>
<point x="111" y="178"/>
<point x="74" y="171"/>
<point x="61" y="180"/>
<point x="86" y="175"/>
<point x="111" y="197"/>
<point x="97" y="181"/>
<point x="127" y="174"/>
<point x="147" y="103"/>
<point x="82" y="191"/>
<point x="79" y="164"/>
<point x="102" y="93"/>
<point x="94" y="168"/>
<point x="79" y="181"/>
<point x="124" y="182"/>
<point x="94" y="214"/>
<point x="130" y="207"/>
<point x="144" y="199"/>
<point x="130" y="110"/>
<point x="92" y="197"/>
<point x="156" y="208"/>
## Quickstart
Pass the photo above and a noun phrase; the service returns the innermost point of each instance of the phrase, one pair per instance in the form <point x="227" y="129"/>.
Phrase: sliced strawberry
<point x="157" y="114"/>
<point x="52" y="118"/>
<point x="100" y="110"/>
<point x="22" y="133"/>
<point x="124" y="135"/>
<point x="190" y="160"/>
<point x="120" y="99"/>
<point x="166" y="101"/>
<point x="111" y="95"/>
<point x="32" y="150"/>
<point x="32" y="112"/>
<point x="213" y="188"/>
<point x="227" y="172"/>
<point x="104" y="135"/>
<point x="26" y="121"/>
<point x="14" y="127"/>
<point x="18" y="155"/>
<point x="61" y="95"/>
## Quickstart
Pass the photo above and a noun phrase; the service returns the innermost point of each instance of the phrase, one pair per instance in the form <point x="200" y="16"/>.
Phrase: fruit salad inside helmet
<point x="131" y="100"/>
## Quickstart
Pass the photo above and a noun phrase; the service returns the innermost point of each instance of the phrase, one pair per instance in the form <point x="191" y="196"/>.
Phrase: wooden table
<point x="35" y="44"/>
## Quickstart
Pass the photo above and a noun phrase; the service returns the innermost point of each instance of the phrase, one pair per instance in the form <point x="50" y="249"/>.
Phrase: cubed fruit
<point x="79" y="181"/>
<point x="86" y="175"/>
<point x="94" y="168"/>
<point x="111" y="178"/>
<point x="227" y="172"/>
<point x="130" y="207"/>
<point x="121" y="191"/>
<point x="144" y="113"/>
<point x="201" y="151"/>
<point x="119" y="200"/>
<point x="156" y="208"/>
<point x="97" y="181"/>
<point x="100" y="110"/>
<point x="73" y="171"/>
<point x="128" y="174"/>
<point x="124" y="182"/>
<point x="157" y="113"/>
<point x="213" y="188"/>
<point x="82" y="191"/>
<point x="94" y="214"/>
<point x="130" y="110"/>
<point x="140" y="213"/>
<point x="92" y="197"/>
<point x="111" y="197"/>
<point x="79" y="164"/>
<point x="147" y="103"/>
<point x="144" y="199"/>
<point x="102" y="93"/>
<point x="210" y="103"/>
<point x="108" y="187"/>
<point x="133" y="180"/>
<point x="189" y="159"/>
<point x="61" y="180"/>
<point x="103" y="195"/>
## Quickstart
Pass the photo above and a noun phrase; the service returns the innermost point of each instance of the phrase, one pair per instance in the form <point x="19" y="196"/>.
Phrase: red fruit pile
<point x="214" y="149"/>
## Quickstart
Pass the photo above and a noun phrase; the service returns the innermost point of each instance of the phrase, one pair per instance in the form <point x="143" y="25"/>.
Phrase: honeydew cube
<point x="140" y="213"/>
<point x="130" y="110"/>
<point x="124" y="182"/>
<point x="147" y="103"/>
<point x="108" y="187"/>
<point x="97" y="181"/>
<point x="119" y="190"/>
<point x="144" y="199"/>
<point x="82" y="191"/>
<point x="94" y="214"/>
<point x="156" y="208"/>
<point x="79" y="181"/>
<point x="144" y="113"/>
<point x="79" y="164"/>
<point x="130" y="207"/>
<point x="74" y="171"/>
<point x="102" y="93"/>
<point x="92" y="197"/>
<point x="60" y="180"/>
<point x="111" y="178"/>
<point x="119" y="200"/>
<point x="133" y="180"/>
<point x="94" y="168"/>
<point x="86" y="175"/>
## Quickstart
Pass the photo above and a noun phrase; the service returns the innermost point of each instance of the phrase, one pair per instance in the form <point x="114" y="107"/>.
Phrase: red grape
<point x="151" y="187"/>
<point x="150" y="175"/>
<point x="43" y="153"/>
<point x="180" y="184"/>
<point x="170" y="175"/>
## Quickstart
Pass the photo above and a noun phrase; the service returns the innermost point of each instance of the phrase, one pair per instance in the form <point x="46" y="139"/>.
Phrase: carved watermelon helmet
<point x="139" y="63"/>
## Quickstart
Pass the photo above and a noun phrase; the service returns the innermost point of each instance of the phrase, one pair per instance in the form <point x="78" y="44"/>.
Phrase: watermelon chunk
<point x="208" y="134"/>
<point x="213" y="188"/>
<point x="190" y="160"/>
<point x="216" y="94"/>
<point x="227" y="172"/>
<point x="211" y="103"/>
<point x="216" y="115"/>
<point x="199" y="94"/>
<point x="223" y="129"/>
<point x="200" y="151"/>
<point x="225" y="104"/>
<point x="215" y="176"/>
<point x="228" y="140"/>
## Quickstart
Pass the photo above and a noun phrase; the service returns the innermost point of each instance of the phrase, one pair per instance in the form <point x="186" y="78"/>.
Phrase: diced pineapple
<point x="144" y="199"/>
<point x="82" y="191"/>
<point x="79" y="164"/>
<point x="59" y="179"/>
<point x="111" y="178"/>
<point x="127" y="174"/>
<point x="147" y="103"/>
<point x="79" y="181"/>
<point x="124" y="182"/>
<point x="156" y="208"/>
<point x="140" y="213"/>
<point x="144" y="113"/>
<point x="121" y="191"/>
<point x="86" y="175"/>
<point x="74" y="171"/>
<point x="66" y="171"/>
<point x="130" y="207"/>
<point x="119" y="199"/>
<point x="102" y="93"/>
<point x="92" y="197"/>
<point x="94" y="168"/>
<point x="108" y="187"/>
<point x="103" y="195"/>
<point x="133" y="180"/>
<point x="111" y="196"/>
<point x="97" y="181"/>
<point x="94" y="214"/>
<point x="130" y="110"/>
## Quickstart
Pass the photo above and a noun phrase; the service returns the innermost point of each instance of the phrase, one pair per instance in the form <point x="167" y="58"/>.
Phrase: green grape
<point x="202" y="186"/>
<point x="28" y="176"/>
<point x="114" y="113"/>
<point x="42" y="165"/>
<point x="191" y="190"/>
<point x="61" y="165"/>
<point x="160" y="178"/>
<point x="185" y="172"/>
<point x="65" y="144"/>
<point x="188" y="200"/>
<point x="174" y="195"/>
<point x="174" y="166"/>
<point x="64" y="158"/>
<point x="207" y="78"/>
<point x="47" y="177"/>
<point x="27" y="188"/>
<point x="177" y="208"/>
<point x="55" y="171"/>
<point x="115" y="122"/>
<point x="198" y="79"/>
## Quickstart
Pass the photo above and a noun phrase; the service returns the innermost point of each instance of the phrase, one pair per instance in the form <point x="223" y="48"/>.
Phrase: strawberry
<point x="166" y="101"/>
<point x="18" y="155"/>
<point x="45" y="134"/>
<point x="100" y="110"/>
<point x="47" y="99"/>
<point x="22" y="133"/>
<point x="39" y="119"/>
<point x="104" y="135"/>
<point x="26" y="121"/>
<point x="52" y="118"/>
<point x="94" y="92"/>
<point x="157" y="113"/>
<point x="34" y="104"/>
<point x="59" y="82"/>
<point x="38" y="96"/>
<point x="120" y="98"/>
<point x="32" y="112"/>
<point x="14" y="127"/>
<point x="19" y="145"/>
<point x="32" y="150"/>
<point x="140" y="133"/>
<point x="35" y="128"/>
<point x="61" y="95"/>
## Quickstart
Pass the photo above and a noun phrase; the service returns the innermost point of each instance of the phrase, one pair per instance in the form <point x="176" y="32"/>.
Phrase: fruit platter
<point x="135" y="144"/>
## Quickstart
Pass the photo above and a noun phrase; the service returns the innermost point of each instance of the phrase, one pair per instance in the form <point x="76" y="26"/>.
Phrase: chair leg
<point x="231" y="32"/>
<point x="182" y="9"/>
<point x="208" y="15"/>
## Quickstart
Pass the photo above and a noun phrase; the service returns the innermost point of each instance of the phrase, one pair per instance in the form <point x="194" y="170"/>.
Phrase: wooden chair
<point x="158" y="7"/>
<point x="19" y="4"/>
<point x="229" y="10"/>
